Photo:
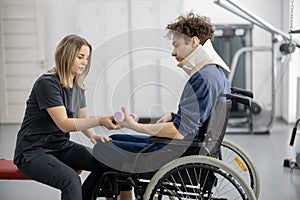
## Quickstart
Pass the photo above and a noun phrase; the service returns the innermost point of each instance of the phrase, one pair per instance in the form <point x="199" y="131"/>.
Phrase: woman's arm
<point x="65" y="124"/>
<point x="90" y="133"/>
<point x="159" y="129"/>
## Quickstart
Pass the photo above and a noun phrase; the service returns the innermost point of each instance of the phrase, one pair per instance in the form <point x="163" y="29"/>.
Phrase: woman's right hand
<point x="108" y="123"/>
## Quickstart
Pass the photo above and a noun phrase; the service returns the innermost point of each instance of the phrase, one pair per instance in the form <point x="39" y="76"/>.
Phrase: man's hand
<point x="164" y="119"/>
<point x="129" y="121"/>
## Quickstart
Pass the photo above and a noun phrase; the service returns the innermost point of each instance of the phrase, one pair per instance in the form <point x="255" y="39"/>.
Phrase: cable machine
<point x="287" y="47"/>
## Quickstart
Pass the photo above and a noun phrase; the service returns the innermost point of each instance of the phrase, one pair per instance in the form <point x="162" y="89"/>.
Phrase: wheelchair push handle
<point x="241" y="91"/>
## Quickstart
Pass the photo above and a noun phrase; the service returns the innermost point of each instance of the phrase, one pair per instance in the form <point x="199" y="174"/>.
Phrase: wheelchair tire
<point x="235" y="156"/>
<point x="198" y="177"/>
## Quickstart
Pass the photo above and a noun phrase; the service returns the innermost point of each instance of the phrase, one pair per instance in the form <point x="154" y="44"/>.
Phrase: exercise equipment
<point x="119" y="116"/>
<point x="291" y="163"/>
<point x="287" y="47"/>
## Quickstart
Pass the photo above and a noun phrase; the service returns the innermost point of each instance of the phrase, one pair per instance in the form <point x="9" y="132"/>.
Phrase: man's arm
<point x="159" y="129"/>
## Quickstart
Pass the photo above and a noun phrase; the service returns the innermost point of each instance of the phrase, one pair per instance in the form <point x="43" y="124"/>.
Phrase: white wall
<point x="60" y="19"/>
<point x="116" y="77"/>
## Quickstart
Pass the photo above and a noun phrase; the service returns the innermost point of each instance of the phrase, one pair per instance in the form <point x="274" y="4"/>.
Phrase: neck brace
<point x="200" y="57"/>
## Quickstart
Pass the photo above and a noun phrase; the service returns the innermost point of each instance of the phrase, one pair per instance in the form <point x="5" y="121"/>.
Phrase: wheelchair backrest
<point x="216" y="128"/>
<point x="218" y="122"/>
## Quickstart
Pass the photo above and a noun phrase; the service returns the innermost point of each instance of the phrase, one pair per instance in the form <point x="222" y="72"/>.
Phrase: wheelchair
<point x="235" y="156"/>
<point x="201" y="175"/>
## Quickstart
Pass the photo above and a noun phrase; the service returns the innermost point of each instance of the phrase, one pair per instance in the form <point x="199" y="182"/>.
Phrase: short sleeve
<point x="83" y="100"/>
<point x="48" y="92"/>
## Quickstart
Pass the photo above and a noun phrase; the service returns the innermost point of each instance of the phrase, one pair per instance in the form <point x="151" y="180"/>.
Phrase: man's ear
<point x="195" y="41"/>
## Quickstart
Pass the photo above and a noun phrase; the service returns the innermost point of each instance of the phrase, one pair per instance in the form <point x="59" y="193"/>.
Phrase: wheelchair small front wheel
<point x="198" y="177"/>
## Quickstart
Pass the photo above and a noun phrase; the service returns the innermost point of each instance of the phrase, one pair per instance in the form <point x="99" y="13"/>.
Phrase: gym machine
<point x="251" y="123"/>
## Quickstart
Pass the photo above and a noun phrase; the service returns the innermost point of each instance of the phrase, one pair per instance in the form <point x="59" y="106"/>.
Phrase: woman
<point x="57" y="106"/>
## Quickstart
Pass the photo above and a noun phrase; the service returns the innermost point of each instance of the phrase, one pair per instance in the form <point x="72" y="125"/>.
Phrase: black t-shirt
<point x="38" y="133"/>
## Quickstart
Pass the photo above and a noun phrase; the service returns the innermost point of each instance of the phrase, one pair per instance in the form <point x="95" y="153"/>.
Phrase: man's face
<point x="181" y="48"/>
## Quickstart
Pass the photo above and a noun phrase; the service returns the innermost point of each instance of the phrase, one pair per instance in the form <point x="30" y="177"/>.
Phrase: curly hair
<point x="192" y="25"/>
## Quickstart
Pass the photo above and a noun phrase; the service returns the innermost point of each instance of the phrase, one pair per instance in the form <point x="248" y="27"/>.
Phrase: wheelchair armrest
<point x="164" y="140"/>
<point x="161" y="140"/>
<point x="241" y="91"/>
<point x="240" y="99"/>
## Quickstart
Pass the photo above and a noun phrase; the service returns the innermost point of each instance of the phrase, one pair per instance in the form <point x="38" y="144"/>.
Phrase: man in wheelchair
<point x="191" y="37"/>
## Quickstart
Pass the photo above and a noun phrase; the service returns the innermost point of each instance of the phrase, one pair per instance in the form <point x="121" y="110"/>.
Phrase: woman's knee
<point x="72" y="179"/>
<point x="71" y="187"/>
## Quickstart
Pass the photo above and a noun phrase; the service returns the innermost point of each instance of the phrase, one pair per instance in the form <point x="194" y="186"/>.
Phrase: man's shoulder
<point x="211" y="70"/>
<point x="209" y="67"/>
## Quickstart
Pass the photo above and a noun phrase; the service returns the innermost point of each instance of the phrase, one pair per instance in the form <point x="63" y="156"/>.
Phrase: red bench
<point x="8" y="170"/>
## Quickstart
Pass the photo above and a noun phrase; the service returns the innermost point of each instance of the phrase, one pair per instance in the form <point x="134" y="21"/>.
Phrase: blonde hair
<point x="65" y="55"/>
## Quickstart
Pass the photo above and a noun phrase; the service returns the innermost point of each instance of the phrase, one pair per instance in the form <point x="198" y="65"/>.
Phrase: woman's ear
<point x="195" y="41"/>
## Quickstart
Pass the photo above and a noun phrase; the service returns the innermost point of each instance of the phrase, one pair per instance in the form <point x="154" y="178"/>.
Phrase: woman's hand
<point x="108" y="123"/>
<point x="94" y="138"/>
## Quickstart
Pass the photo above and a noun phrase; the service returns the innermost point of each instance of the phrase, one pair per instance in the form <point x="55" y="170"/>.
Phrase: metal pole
<point x="238" y="53"/>
<point x="251" y="17"/>
<point x="274" y="77"/>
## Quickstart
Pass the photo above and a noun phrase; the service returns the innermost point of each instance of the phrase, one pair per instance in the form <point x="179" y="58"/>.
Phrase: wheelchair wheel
<point x="198" y="177"/>
<point x="235" y="156"/>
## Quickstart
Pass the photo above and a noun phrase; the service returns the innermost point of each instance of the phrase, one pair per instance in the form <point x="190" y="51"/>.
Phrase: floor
<point x="267" y="151"/>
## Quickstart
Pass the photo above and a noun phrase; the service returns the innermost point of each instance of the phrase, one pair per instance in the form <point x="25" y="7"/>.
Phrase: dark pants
<point x="132" y="143"/>
<point x="55" y="169"/>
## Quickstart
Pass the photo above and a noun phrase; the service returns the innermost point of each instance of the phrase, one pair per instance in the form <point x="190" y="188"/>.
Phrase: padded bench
<point x="8" y="170"/>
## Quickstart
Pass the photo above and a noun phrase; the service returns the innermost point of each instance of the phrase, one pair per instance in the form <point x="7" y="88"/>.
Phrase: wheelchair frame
<point x="236" y="157"/>
<point x="175" y="180"/>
